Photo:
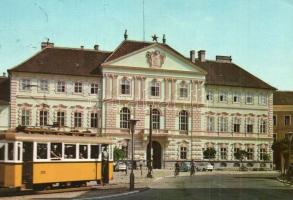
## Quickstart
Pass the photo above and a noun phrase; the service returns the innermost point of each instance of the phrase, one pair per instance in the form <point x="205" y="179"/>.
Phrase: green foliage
<point x="119" y="154"/>
<point x="266" y="157"/>
<point x="240" y="155"/>
<point x="209" y="153"/>
<point x="281" y="145"/>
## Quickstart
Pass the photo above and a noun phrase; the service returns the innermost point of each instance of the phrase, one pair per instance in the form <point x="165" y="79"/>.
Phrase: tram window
<point x="2" y="151"/>
<point x="42" y="151"/>
<point x="56" y="151"/>
<point x="70" y="151"/>
<point x="83" y="152"/>
<point x="95" y="151"/>
<point x="10" y="151"/>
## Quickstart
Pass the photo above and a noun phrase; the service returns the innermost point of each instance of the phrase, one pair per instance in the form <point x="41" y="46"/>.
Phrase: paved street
<point x="216" y="186"/>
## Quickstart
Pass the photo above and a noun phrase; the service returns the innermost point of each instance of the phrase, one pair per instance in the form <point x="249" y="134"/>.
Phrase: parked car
<point x="184" y="167"/>
<point x="120" y="166"/>
<point x="204" y="166"/>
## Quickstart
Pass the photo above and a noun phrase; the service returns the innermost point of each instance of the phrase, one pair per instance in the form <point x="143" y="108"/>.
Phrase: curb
<point x="284" y="182"/>
<point x="114" y="195"/>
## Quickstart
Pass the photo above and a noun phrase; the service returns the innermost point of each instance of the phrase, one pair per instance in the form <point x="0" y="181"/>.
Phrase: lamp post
<point x="150" y="156"/>
<point x="132" y="123"/>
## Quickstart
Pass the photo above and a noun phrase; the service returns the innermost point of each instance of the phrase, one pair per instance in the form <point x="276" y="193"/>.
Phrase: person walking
<point x="192" y="168"/>
<point x="176" y="173"/>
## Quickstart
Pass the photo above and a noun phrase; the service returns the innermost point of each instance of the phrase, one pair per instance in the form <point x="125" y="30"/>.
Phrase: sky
<point x="258" y="34"/>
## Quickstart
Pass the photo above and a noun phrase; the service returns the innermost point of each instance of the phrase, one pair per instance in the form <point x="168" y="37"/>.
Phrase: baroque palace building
<point x="196" y="103"/>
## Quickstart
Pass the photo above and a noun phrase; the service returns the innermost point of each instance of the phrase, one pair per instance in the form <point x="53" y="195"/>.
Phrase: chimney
<point x="192" y="56"/>
<point x="224" y="59"/>
<point x="201" y="55"/>
<point x="96" y="47"/>
<point x="47" y="45"/>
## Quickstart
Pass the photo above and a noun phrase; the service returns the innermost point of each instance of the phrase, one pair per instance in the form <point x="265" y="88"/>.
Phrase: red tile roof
<point x="65" y="61"/>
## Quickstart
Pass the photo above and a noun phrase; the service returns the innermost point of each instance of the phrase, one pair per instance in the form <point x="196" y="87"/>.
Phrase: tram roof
<point x="35" y="137"/>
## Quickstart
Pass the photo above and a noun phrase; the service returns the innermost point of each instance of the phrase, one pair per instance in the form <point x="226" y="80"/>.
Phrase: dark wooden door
<point x="157" y="154"/>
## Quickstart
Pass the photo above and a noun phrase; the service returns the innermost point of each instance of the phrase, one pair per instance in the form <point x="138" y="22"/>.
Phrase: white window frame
<point x="249" y="96"/>
<point x="185" y="151"/>
<point x="60" y="85"/>
<point x="210" y="96"/>
<point x="26" y="113"/>
<point x="77" y="118"/>
<point x="223" y="124"/>
<point x="156" y="119"/>
<point x="262" y="152"/>
<point x="76" y="151"/>
<point x="263" y="126"/>
<point x="59" y="118"/>
<point x="43" y="85"/>
<point x="94" y="88"/>
<point x="44" y="119"/>
<point x="224" y="95"/>
<point x="237" y="95"/>
<point x="78" y="87"/>
<point x="35" y="156"/>
<point x="126" y="83"/>
<point x="122" y="120"/>
<point x="157" y="88"/>
<point x="25" y="84"/>
<point x="210" y="123"/>
<point x="224" y="153"/>
<point x="183" y="120"/>
<point x="263" y="100"/>
<point x="183" y="90"/>
<point x="250" y="153"/>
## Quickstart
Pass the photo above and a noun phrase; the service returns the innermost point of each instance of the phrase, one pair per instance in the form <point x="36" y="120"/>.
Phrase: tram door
<point x="105" y="163"/>
<point x="27" y="169"/>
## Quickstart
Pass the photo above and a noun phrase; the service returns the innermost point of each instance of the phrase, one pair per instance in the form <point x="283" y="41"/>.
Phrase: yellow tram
<point x="38" y="161"/>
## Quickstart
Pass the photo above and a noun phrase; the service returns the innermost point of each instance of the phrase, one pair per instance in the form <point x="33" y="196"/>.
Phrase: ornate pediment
<point x="155" y="58"/>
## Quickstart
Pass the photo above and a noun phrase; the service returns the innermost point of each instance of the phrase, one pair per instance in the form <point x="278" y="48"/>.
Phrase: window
<point x="42" y="151"/>
<point x="210" y="96"/>
<point x="236" y="149"/>
<point x="236" y="98"/>
<point x="43" y="118"/>
<point x="61" y="118"/>
<point x="25" y="117"/>
<point x="156" y="118"/>
<point x="236" y="125"/>
<point x="223" y="152"/>
<point x="2" y="151"/>
<point x="77" y="119"/>
<point x="262" y="152"/>
<point x="211" y="124"/>
<point x="69" y="151"/>
<point x="10" y="151"/>
<point x="125" y="86"/>
<point x="56" y="151"/>
<point x="78" y="87"/>
<point x="274" y="120"/>
<point x="249" y="153"/>
<point x="44" y="85"/>
<point x="124" y="117"/>
<point x="262" y="100"/>
<point x="223" y="97"/>
<point x="183" y="120"/>
<point x="223" y="122"/>
<point x="155" y="88"/>
<point x="287" y="120"/>
<point x="183" y="90"/>
<point x="95" y="151"/>
<point x="263" y="126"/>
<point x="94" y="120"/>
<point x="60" y="86"/>
<point x="183" y="152"/>
<point x="83" y="151"/>
<point x="249" y="99"/>
<point x="249" y="126"/>
<point x="94" y="88"/>
<point x="25" y="84"/>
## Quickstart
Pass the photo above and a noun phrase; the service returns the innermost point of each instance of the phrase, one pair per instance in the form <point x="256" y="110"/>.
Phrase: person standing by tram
<point x="177" y="167"/>
<point x="192" y="167"/>
<point x="105" y="164"/>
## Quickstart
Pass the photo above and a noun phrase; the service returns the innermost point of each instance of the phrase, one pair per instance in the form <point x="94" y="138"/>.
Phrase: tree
<point x="209" y="153"/>
<point x="119" y="154"/>
<point x="241" y="155"/>
<point x="266" y="157"/>
<point x="281" y="148"/>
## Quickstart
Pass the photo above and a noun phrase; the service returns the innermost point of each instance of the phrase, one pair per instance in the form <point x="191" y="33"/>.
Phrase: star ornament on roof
<point x="155" y="38"/>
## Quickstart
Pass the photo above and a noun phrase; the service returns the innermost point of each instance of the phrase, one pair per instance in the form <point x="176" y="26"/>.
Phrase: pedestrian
<point x="176" y="168"/>
<point x="140" y="166"/>
<point x="192" y="168"/>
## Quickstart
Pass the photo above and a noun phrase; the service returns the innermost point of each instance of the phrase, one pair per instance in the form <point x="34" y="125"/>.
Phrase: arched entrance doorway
<point x="157" y="154"/>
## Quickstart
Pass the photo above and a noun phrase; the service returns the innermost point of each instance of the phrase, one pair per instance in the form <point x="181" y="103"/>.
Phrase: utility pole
<point x="150" y="156"/>
<point x="132" y="125"/>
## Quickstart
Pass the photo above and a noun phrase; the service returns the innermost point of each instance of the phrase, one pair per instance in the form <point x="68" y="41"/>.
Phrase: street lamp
<point x="132" y="123"/>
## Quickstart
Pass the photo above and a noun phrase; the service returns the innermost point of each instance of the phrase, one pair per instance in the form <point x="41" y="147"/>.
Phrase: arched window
<point x="155" y="88"/>
<point x="183" y="120"/>
<point x="124" y="117"/>
<point x="156" y="119"/>
<point x="125" y="86"/>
